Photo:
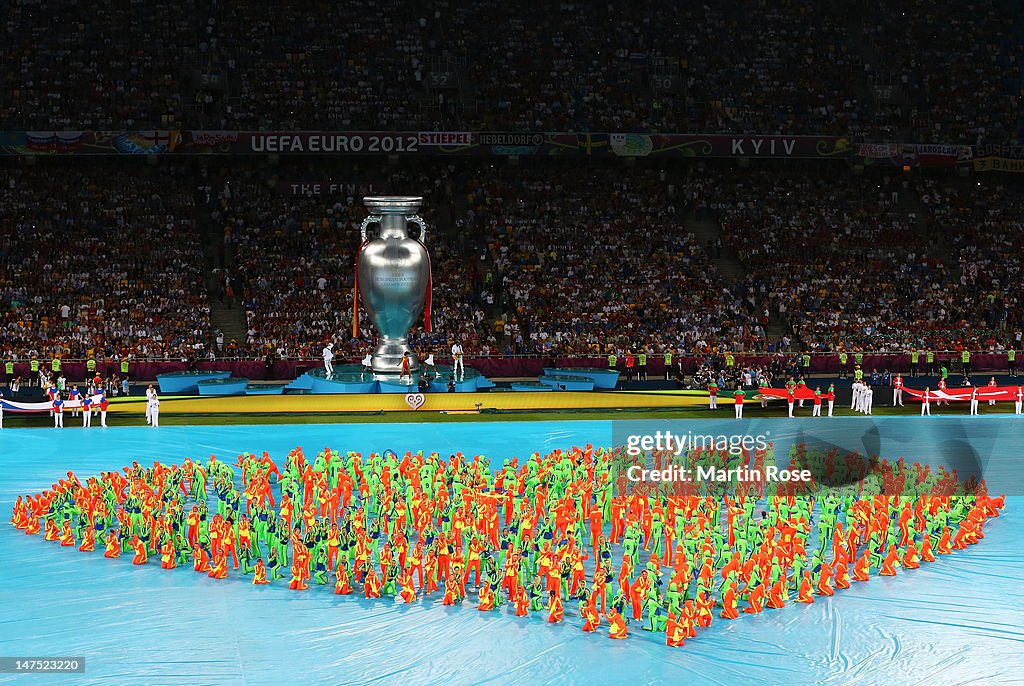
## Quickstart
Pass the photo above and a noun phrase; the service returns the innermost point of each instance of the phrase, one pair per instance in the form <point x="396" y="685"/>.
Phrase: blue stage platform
<point x="604" y="379"/>
<point x="186" y="383"/>
<point x="265" y="389"/>
<point x="351" y="378"/>
<point x="531" y="386"/>
<point x="566" y="382"/>
<point x="227" y="386"/>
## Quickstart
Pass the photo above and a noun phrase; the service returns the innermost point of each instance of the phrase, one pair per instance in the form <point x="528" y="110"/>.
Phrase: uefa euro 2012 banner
<point x="470" y="143"/>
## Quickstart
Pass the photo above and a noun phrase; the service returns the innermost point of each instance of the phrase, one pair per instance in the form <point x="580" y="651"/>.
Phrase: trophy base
<point x="387" y="358"/>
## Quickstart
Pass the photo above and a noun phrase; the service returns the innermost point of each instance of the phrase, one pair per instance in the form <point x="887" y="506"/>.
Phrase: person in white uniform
<point x="58" y="411"/>
<point x="154" y="409"/>
<point x="458" y="365"/>
<point x="1019" y="397"/>
<point x="329" y="359"/>
<point x="150" y="392"/>
<point x="868" y="394"/>
<point x="926" y="405"/>
<point x="367" y="364"/>
<point x="897" y="391"/>
<point x="974" y="400"/>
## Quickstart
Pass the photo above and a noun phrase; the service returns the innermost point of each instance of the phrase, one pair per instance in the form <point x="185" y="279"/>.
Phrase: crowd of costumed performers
<point x="563" y="536"/>
<point x="797" y="392"/>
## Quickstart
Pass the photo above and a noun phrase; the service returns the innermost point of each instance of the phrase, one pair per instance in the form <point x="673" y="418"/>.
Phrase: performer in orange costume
<point x="88" y="540"/>
<point x="372" y="584"/>
<point x="616" y="624"/>
<point x="756" y="596"/>
<point x="591" y="619"/>
<point x="522" y="600"/>
<point x="890" y="562"/>
<point x="729" y="603"/>
<point x="777" y="594"/>
<point x="342" y="586"/>
<point x="408" y="592"/>
<point x="220" y="566"/>
<point x="259" y="575"/>
<point x="556" y="608"/>
<point x="141" y="556"/>
<point x="67" y="537"/>
<point x="674" y="635"/>
<point x="167" y="556"/>
<point x="200" y="559"/>
<point x="862" y="569"/>
<point x="805" y="594"/>
<point x="112" y="544"/>
<point x="825" y="579"/>
<point x="486" y="598"/>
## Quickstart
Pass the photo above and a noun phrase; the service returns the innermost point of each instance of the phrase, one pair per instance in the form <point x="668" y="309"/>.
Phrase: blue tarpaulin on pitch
<point x="956" y="620"/>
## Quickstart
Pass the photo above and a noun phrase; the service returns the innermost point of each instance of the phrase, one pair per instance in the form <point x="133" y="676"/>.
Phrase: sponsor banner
<point x="454" y="139"/>
<point x="914" y="154"/>
<point x="877" y="150"/>
<point x="87" y="142"/>
<point x="1009" y="152"/>
<point x="511" y="139"/>
<point x="329" y="187"/>
<point x="999" y="164"/>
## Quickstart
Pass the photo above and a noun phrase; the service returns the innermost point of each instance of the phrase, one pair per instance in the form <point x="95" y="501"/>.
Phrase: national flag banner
<point x="799" y="393"/>
<point x="46" y="406"/>
<point x="963" y="393"/>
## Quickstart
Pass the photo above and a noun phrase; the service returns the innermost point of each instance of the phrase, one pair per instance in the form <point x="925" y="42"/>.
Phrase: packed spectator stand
<point x="791" y="67"/>
<point x="873" y="277"/>
<point x="100" y="261"/>
<point x="109" y="260"/>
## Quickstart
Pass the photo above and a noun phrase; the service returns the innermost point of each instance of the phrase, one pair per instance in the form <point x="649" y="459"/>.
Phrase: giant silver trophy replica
<point x="393" y="278"/>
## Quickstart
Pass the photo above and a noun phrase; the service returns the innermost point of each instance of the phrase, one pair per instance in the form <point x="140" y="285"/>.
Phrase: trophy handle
<point x="371" y="219"/>
<point x="416" y="219"/>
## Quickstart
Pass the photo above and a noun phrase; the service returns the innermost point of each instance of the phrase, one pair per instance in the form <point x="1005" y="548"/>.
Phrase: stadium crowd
<point x="983" y="223"/>
<point x="959" y="65"/>
<point x="593" y="261"/>
<point x="790" y="67"/>
<point x="527" y="259"/>
<point x="99" y="261"/>
<point x="874" y="275"/>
